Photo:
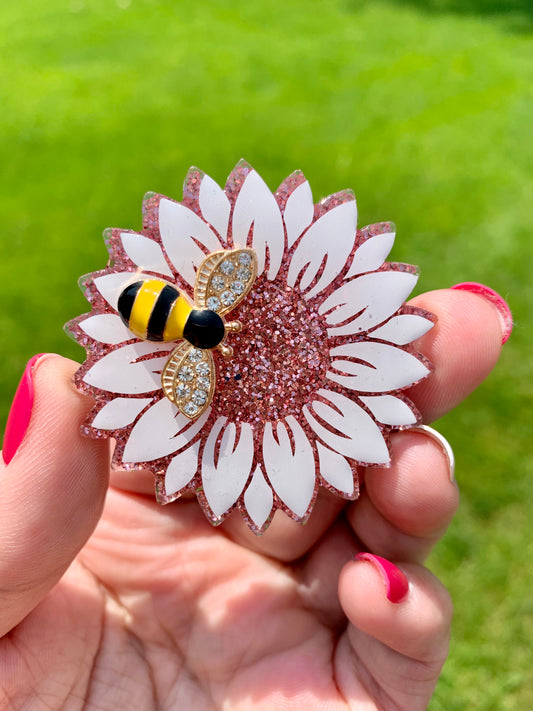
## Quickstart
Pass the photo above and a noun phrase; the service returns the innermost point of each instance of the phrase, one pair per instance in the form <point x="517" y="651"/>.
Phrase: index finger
<point x="464" y="346"/>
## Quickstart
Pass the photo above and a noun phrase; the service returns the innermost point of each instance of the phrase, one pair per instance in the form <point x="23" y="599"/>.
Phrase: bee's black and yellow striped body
<point x="156" y="311"/>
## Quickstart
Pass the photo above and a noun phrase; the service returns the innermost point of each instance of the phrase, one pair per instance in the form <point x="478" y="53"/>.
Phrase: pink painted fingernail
<point x="20" y="412"/>
<point x="396" y="583"/>
<point x="499" y="303"/>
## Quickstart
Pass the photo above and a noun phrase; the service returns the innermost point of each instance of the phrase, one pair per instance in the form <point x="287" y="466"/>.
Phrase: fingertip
<point x="495" y="300"/>
<point x="366" y="585"/>
<point x="464" y="320"/>
<point x="417" y="494"/>
<point x="55" y="458"/>
<point x="20" y="411"/>
<point x="393" y="578"/>
<point x="372" y="593"/>
<point x="27" y="395"/>
<point x="415" y="622"/>
<point x="464" y="346"/>
<point x="54" y="487"/>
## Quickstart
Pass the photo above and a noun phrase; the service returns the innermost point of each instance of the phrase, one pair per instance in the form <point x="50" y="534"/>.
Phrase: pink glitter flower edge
<point x="280" y="316"/>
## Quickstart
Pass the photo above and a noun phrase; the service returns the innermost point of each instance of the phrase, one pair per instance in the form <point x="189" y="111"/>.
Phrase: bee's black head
<point x="204" y="328"/>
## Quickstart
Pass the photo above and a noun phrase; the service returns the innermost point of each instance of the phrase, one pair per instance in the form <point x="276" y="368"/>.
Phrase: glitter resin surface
<point x="315" y="383"/>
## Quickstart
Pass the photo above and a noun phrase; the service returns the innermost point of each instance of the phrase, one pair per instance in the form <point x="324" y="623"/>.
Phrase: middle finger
<point x="405" y="509"/>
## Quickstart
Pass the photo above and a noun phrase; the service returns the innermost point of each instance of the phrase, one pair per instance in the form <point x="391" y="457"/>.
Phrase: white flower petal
<point x="180" y="230"/>
<point x="335" y="469"/>
<point x="298" y="213"/>
<point x="119" y="412"/>
<point x="106" y="328"/>
<point x="258" y="498"/>
<point x="161" y="431"/>
<point x="331" y="239"/>
<point x="214" y="205"/>
<point x="390" y="410"/>
<point x="224" y="480"/>
<point x="291" y="473"/>
<point x="111" y="285"/>
<point x="181" y="469"/>
<point x="372" y="253"/>
<point x="375" y="297"/>
<point x="145" y="253"/>
<point x="403" y="329"/>
<point x="117" y="372"/>
<point x="256" y="206"/>
<point x="382" y="367"/>
<point x="360" y="438"/>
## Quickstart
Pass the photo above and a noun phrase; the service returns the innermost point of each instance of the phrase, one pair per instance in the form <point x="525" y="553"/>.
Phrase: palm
<point x="174" y="614"/>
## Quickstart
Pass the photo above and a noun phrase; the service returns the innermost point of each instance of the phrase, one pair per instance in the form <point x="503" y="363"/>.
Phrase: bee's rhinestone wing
<point x="224" y="279"/>
<point x="188" y="379"/>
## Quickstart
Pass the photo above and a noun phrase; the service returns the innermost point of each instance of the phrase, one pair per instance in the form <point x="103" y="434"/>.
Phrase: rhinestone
<point x="182" y="390"/>
<point x="195" y="355"/>
<point x="243" y="273"/>
<point x="237" y="287"/>
<point x="190" y="408"/>
<point x="245" y="258"/>
<point x="203" y="383"/>
<point x="213" y="303"/>
<point x="202" y="368"/>
<point x="227" y="298"/>
<point x="227" y="267"/>
<point x="218" y="282"/>
<point x="186" y="374"/>
<point x="199" y="397"/>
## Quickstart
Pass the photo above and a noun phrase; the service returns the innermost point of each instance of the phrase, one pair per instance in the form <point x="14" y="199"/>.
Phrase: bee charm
<point x="156" y="311"/>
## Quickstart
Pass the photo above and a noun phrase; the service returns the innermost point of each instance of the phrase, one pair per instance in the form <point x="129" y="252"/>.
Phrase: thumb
<point x="53" y="486"/>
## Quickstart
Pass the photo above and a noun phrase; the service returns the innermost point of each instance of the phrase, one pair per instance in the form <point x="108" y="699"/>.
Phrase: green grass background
<point x="423" y="108"/>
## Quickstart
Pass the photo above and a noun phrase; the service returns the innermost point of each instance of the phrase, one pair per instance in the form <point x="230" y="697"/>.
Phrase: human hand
<point x="126" y="604"/>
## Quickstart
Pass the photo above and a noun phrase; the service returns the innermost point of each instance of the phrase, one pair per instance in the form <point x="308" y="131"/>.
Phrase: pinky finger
<point x="397" y="639"/>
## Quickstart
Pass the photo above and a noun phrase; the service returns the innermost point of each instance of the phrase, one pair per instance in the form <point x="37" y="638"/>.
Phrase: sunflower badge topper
<point x="250" y="347"/>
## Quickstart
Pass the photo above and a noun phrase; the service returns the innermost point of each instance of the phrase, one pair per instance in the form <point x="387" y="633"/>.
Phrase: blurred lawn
<point x="424" y="108"/>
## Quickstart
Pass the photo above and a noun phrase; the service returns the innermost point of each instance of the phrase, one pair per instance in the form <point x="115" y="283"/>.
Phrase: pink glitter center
<point x="280" y="357"/>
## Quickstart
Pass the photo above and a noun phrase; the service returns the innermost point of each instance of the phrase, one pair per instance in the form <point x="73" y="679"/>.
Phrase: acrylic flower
<point x="316" y="381"/>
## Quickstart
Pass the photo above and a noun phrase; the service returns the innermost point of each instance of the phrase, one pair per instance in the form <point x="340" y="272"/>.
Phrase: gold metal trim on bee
<point x="208" y="269"/>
